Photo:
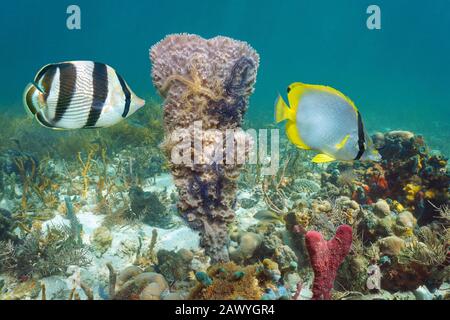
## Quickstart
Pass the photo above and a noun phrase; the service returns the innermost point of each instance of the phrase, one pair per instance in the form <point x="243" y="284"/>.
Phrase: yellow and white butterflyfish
<point x="322" y="119"/>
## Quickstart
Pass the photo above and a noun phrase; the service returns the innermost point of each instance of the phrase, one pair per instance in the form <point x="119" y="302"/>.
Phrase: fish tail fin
<point x="282" y="111"/>
<point x="29" y="99"/>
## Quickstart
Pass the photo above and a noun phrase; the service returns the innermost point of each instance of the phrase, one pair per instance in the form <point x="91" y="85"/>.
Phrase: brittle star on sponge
<point x="195" y="88"/>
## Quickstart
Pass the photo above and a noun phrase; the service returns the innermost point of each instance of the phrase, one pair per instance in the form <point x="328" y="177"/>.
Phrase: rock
<point x="133" y="288"/>
<point x="404" y="135"/>
<point x="391" y="245"/>
<point x="285" y="256"/>
<point x="247" y="203"/>
<point x="55" y="288"/>
<point x="151" y="292"/>
<point x="405" y="224"/>
<point x="384" y="226"/>
<point x="148" y="207"/>
<point x="175" y="265"/>
<point x="186" y="255"/>
<point x="291" y="281"/>
<point x="128" y="273"/>
<point x="381" y="208"/>
<point x="175" y="296"/>
<point x="101" y="239"/>
<point x="422" y="293"/>
<point x="378" y="139"/>
<point x="248" y="243"/>
<point x="406" y="295"/>
<point x="406" y="219"/>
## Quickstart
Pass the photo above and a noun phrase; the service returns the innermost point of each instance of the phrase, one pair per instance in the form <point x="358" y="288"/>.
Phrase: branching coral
<point x="85" y="168"/>
<point x="48" y="253"/>
<point x="208" y="81"/>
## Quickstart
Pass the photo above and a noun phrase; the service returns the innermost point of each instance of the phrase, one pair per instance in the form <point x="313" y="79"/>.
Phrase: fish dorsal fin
<point x="322" y="158"/>
<point x="341" y="144"/>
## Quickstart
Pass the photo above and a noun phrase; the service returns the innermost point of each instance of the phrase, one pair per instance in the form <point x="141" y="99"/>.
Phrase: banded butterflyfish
<point x="79" y="94"/>
<point x="322" y="119"/>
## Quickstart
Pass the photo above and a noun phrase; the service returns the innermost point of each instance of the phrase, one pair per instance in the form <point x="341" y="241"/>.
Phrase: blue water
<point x="398" y="76"/>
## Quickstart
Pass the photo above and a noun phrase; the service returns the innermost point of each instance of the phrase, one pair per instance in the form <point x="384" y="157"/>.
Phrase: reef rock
<point x="134" y="284"/>
<point x="148" y="207"/>
<point x="206" y="85"/>
<point x="101" y="239"/>
<point x="175" y="265"/>
<point x="249" y="242"/>
<point x="381" y="208"/>
<point x="391" y="245"/>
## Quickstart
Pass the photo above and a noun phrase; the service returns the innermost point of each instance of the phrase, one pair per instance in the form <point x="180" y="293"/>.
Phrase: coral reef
<point x="133" y="283"/>
<point x="248" y="243"/>
<point x="326" y="257"/>
<point x="101" y="239"/>
<point x="148" y="207"/>
<point x="44" y="254"/>
<point x="7" y="226"/>
<point x="224" y="285"/>
<point x="209" y="81"/>
<point x="175" y="265"/>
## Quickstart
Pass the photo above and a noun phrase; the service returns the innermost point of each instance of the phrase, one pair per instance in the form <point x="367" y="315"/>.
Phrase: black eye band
<point x="361" y="139"/>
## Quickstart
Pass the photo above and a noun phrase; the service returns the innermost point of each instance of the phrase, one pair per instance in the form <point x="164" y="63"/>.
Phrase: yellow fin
<point x="321" y="158"/>
<point x="294" y="137"/>
<point x="295" y="91"/>
<point x="282" y="111"/>
<point x="341" y="144"/>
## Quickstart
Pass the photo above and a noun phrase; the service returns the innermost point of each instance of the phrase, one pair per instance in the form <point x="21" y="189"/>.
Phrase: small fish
<point x="268" y="216"/>
<point x="323" y="119"/>
<point x="79" y="94"/>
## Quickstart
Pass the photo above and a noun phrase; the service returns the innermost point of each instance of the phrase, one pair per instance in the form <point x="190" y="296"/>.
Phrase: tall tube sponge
<point x="207" y="83"/>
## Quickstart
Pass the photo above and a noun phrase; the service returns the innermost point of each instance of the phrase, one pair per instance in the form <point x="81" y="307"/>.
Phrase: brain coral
<point x="208" y="81"/>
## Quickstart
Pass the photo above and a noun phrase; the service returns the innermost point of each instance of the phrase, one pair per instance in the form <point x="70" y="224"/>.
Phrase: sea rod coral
<point x="208" y="81"/>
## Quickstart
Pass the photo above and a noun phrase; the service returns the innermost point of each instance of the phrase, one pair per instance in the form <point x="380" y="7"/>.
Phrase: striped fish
<point x="80" y="94"/>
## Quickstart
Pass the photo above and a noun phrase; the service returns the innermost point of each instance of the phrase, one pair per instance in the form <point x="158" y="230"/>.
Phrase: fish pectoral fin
<point x="282" y="111"/>
<point x="322" y="158"/>
<point x="341" y="144"/>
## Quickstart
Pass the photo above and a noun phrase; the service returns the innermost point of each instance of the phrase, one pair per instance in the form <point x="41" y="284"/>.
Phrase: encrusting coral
<point x="208" y="81"/>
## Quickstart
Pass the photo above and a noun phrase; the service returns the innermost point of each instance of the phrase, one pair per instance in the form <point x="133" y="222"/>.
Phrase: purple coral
<point x="209" y="81"/>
